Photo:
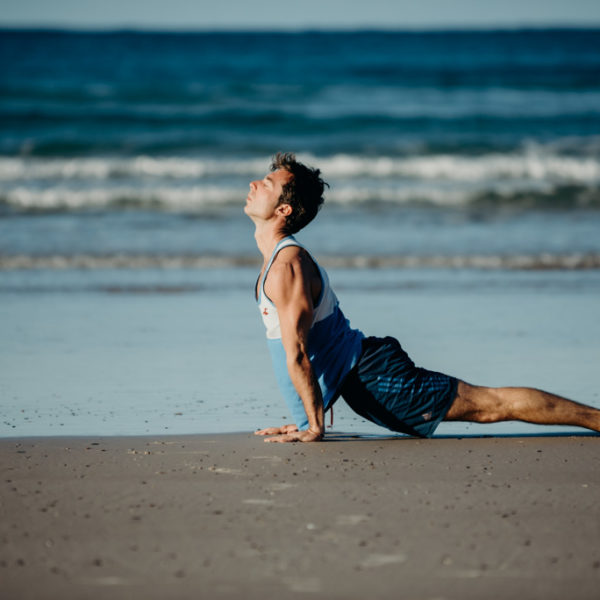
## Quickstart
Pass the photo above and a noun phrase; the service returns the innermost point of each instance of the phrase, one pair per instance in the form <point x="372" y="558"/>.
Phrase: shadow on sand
<point x="356" y="437"/>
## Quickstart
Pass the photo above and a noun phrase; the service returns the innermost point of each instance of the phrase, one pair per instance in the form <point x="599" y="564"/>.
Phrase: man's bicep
<point x="291" y="296"/>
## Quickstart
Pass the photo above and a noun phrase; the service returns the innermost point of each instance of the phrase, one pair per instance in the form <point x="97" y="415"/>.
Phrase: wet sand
<point x="76" y="364"/>
<point x="228" y="516"/>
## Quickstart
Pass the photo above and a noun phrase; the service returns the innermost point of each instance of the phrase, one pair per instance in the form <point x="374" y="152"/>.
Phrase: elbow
<point x="297" y="358"/>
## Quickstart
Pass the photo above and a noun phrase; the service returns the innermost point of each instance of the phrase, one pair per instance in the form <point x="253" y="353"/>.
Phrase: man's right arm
<point x="289" y="287"/>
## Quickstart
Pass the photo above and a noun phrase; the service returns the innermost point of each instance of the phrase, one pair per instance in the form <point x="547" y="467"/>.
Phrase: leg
<point x="490" y="405"/>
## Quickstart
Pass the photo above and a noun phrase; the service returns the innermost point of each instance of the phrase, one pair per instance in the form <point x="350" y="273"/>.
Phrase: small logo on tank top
<point x="265" y="312"/>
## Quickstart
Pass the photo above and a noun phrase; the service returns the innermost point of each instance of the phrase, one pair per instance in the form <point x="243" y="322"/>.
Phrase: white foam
<point x="528" y="165"/>
<point x="16" y="170"/>
<point x="201" y="198"/>
<point x="438" y="195"/>
<point x="193" y="198"/>
<point x="543" y="261"/>
<point x="531" y="163"/>
<point x="193" y="184"/>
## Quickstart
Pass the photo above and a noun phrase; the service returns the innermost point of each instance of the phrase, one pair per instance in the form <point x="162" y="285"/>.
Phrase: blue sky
<point x="275" y="14"/>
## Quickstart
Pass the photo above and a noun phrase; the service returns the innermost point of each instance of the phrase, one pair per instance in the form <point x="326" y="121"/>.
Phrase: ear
<point x="285" y="210"/>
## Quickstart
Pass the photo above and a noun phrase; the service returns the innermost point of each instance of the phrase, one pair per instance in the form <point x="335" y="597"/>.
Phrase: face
<point x="264" y="195"/>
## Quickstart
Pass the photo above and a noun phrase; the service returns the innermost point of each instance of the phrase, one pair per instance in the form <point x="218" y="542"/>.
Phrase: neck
<point x="266" y="239"/>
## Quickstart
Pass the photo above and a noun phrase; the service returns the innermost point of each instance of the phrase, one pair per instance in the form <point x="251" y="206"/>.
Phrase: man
<point x="317" y="356"/>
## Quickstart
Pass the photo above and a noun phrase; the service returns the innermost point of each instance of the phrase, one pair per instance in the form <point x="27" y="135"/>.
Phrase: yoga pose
<point x="318" y="357"/>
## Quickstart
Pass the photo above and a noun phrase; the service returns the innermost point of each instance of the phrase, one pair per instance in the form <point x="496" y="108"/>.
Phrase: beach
<point x="228" y="516"/>
<point x="462" y="218"/>
<point x="118" y="481"/>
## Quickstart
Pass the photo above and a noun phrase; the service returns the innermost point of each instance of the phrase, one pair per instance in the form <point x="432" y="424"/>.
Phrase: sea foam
<point x="195" y="184"/>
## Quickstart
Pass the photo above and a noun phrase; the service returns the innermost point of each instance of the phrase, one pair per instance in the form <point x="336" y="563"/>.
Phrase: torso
<point x="333" y="347"/>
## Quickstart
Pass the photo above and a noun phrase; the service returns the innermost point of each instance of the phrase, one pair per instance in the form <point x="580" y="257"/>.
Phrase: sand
<point x="228" y="516"/>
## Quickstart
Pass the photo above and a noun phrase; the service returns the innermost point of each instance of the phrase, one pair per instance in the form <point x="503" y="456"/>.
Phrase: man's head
<point x="303" y="191"/>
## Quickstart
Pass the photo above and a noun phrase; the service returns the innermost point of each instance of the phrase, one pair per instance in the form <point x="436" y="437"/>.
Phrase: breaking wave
<point x="530" y="262"/>
<point x="533" y="176"/>
<point x="533" y="164"/>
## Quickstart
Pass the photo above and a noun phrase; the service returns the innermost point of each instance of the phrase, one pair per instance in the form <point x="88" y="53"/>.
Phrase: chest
<point x="258" y="283"/>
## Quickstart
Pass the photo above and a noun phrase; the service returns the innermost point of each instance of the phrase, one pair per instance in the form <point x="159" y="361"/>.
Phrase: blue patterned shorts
<point x="386" y="388"/>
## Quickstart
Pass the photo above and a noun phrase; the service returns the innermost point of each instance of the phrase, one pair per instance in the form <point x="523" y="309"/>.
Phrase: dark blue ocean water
<point x="368" y="94"/>
<point x="436" y="144"/>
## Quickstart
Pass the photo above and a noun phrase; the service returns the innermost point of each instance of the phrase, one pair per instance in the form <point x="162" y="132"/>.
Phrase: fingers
<point x="277" y="430"/>
<point x="268" y="431"/>
<point x="298" y="436"/>
<point x="289" y="433"/>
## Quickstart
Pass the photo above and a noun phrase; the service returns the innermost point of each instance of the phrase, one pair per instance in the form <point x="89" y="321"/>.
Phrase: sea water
<point x="463" y="214"/>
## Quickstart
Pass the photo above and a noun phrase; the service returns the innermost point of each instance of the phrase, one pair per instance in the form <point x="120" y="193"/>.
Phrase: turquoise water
<point x="118" y="147"/>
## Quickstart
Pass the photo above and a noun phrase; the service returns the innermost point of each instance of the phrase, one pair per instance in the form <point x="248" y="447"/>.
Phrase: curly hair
<point x="303" y="192"/>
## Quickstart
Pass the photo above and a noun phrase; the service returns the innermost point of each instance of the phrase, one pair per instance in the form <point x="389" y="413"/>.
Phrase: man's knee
<point x="476" y="403"/>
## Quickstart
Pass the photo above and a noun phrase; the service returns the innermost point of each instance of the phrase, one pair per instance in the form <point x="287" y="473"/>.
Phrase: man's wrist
<point x="319" y="431"/>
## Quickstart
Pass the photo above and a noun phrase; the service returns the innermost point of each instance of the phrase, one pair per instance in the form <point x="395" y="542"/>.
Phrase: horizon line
<point x="432" y="28"/>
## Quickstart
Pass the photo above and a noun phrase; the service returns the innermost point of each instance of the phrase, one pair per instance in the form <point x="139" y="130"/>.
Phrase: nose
<point x="253" y="185"/>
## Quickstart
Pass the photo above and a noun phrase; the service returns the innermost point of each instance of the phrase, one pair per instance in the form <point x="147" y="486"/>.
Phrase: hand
<point x="277" y="430"/>
<point x="297" y="436"/>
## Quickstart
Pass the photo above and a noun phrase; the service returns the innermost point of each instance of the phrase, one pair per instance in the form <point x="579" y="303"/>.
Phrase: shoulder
<point x="288" y="264"/>
<point x="292" y="261"/>
<point x="292" y="268"/>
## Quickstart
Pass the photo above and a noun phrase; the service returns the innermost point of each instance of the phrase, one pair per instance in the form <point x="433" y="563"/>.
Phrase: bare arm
<point x="289" y="286"/>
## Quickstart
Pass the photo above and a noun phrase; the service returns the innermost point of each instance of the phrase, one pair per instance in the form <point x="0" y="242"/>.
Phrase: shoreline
<point x="228" y="516"/>
<point x="330" y="436"/>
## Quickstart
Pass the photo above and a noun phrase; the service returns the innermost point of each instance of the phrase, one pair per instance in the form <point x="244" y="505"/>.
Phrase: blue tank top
<point x="333" y="346"/>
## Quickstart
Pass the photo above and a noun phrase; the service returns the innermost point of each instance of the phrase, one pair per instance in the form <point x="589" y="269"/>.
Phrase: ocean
<point x="459" y="162"/>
